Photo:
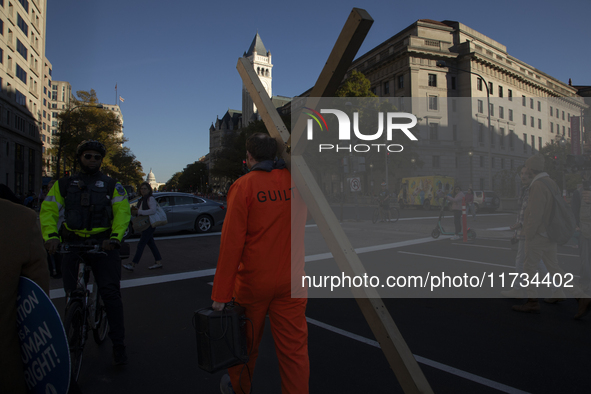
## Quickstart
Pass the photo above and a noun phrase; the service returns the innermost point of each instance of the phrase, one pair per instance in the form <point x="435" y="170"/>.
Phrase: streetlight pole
<point x="60" y="141"/>
<point x="442" y="64"/>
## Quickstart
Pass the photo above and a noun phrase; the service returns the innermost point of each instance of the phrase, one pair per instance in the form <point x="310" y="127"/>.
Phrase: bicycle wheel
<point x="74" y="327"/>
<point x="394" y="214"/>
<point x="376" y="215"/>
<point x="101" y="322"/>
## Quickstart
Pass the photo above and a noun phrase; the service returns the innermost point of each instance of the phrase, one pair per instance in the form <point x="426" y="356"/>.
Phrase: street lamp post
<point x="60" y="142"/>
<point x="470" y="154"/>
<point x="442" y="64"/>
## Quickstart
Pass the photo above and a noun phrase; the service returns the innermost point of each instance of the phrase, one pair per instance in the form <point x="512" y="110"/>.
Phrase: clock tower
<point x="260" y="58"/>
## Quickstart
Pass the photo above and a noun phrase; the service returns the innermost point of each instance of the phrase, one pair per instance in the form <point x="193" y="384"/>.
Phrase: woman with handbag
<point x="147" y="206"/>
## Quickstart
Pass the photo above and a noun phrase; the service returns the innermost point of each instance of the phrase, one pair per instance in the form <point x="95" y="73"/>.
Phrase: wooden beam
<point x="348" y="43"/>
<point x="399" y="356"/>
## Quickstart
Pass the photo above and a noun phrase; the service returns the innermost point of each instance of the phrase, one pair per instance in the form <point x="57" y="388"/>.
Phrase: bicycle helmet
<point x="91" y="145"/>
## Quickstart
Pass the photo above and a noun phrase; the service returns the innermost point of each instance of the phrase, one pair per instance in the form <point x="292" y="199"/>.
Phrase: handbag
<point x="158" y="218"/>
<point x="140" y="223"/>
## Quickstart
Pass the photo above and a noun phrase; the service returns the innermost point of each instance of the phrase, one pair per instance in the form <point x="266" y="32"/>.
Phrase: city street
<point x="462" y="345"/>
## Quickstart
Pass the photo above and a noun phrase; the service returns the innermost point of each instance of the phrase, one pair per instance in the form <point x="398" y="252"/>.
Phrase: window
<point x="1" y="27"/>
<point x="20" y="98"/>
<point x="562" y="130"/>
<point x="539" y="142"/>
<point x="480" y="106"/>
<point x="492" y="110"/>
<point x="481" y="133"/>
<point x="1" y="56"/>
<point x="490" y="88"/>
<point x="20" y="48"/>
<point x="524" y="143"/>
<point x="25" y="4"/>
<point x="21" y="74"/>
<point x="511" y="136"/>
<point x="433" y="131"/>
<point x="479" y="84"/>
<point x="454" y="133"/>
<point x="501" y="112"/>
<point x="569" y="132"/>
<point x="502" y="137"/>
<point x="551" y="111"/>
<point x="386" y="87"/>
<point x="500" y="91"/>
<point x="433" y="80"/>
<point x="531" y="103"/>
<point x="539" y="123"/>
<point x="533" y="143"/>
<point x="523" y="100"/>
<point x="400" y="81"/>
<point x="539" y="106"/>
<point x="511" y="115"/>
<point x="433" y="103"/>
<point x="510" y="94"/>
<point x="562" y="115"/>
<point x="532" y="121"/>
<point x="453" y="83"/>
<point x="22" y="24"/>
<point x="435" y="161"/>
<point x="557" y="114"/>
<point x="492" y="135"/>
<point x="551" y="127"/>
<point x="524" y="119"/>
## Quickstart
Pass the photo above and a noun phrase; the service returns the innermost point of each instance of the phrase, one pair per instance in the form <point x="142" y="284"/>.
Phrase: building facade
<point x="458" y="79"/>
<point x="25" y="79"/>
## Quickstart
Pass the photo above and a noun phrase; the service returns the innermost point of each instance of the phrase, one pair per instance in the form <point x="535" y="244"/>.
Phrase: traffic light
<point x="556" y="162"/>
<point x="67" y="173"/>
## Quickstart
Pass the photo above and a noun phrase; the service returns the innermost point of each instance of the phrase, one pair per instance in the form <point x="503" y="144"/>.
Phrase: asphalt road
<point x="462" y="345"/>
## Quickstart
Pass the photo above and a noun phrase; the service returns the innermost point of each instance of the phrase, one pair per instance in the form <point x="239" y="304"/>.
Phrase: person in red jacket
<point x="256" y="265"/>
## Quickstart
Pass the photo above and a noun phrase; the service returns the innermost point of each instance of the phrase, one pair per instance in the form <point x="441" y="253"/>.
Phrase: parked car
<point x="186" y="212"/>
<point x="486" y="200"/>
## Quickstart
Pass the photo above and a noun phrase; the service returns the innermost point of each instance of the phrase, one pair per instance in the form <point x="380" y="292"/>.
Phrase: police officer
<point x="93" y="207"/>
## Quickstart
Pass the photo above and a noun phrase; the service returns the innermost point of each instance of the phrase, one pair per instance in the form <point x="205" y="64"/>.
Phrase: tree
<point x="357" y="85"/>
<point x="173" y="182"/>
<point x="124" y="167"/>
<point x="193" y="177"/>
<point x="83" y="121"/>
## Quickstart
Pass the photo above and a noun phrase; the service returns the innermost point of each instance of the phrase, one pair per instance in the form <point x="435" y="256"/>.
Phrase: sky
<point x="174" y="63"/>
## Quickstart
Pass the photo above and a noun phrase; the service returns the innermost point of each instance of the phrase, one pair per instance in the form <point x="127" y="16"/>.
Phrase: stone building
<point x="447" y="69"/>
<point x="25" y="75"/>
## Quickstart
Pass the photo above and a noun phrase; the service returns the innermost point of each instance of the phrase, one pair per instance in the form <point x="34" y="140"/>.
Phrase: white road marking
<point x="165" y="238"/>
<point x="456" y="259"/>
<point x="437" y="365"/>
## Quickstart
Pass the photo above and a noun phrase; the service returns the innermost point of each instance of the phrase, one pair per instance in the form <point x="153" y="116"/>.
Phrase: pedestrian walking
<point x="456" y="207"/>
<point x="517" y="291"/>
<point x="582" y="212"/>
<point x="147" y="206"/>
<point x="256" y="266"/>
<point x="470" y="203"/>
<point x="538" y="245"/>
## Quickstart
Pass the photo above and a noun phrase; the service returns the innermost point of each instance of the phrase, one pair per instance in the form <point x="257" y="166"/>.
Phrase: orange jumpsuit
<point x="255" y="267"/>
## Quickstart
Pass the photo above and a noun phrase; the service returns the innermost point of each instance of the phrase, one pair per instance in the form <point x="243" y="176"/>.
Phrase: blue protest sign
<point x="44" y="346"/>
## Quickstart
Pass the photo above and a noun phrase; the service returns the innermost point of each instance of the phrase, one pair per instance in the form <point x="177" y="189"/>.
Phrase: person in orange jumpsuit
<point x="256" y="264"/>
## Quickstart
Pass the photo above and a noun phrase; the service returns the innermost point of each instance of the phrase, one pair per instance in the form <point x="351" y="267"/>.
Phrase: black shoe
<point x="119" y="355"/>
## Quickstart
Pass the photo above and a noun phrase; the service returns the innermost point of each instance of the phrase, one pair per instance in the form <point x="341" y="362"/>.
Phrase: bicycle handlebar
<point x="87" y="248"/>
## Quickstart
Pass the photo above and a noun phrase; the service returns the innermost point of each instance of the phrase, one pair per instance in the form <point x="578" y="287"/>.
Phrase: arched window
<point x="259" y="70"/>
<point x="267" y="72"/>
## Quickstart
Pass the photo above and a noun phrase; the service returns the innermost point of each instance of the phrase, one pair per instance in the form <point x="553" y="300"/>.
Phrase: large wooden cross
<point x="409" y="374"/>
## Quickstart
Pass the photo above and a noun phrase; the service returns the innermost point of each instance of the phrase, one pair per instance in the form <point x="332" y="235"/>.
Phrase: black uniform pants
<point x="107" y="274"/>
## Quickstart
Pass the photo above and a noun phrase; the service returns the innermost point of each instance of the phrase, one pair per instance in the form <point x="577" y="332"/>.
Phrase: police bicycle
<point x="380" y="213"/>
<point x="85" y="309"/>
